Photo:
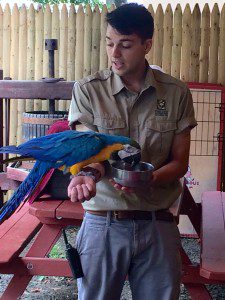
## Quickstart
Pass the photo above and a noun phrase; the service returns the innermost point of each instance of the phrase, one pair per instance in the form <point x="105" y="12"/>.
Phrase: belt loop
<point x="108" y="218"/>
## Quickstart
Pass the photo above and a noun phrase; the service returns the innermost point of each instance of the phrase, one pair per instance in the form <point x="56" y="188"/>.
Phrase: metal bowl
<point x="126" y="175"/>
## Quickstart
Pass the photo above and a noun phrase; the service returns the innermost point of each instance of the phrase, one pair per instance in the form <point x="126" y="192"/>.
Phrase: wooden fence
<point x="188" y="45"/>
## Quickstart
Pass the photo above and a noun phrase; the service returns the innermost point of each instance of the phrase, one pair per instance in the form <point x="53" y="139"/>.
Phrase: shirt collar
<point x="117" y="83"/>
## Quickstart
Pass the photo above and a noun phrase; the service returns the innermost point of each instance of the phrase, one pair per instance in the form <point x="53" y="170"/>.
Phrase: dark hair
<point x="132" y="18"/>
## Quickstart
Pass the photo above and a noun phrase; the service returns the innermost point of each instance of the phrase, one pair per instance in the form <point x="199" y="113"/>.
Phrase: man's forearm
<point x="168" y="173"/>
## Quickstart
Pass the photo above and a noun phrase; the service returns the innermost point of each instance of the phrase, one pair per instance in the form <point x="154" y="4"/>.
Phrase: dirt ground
<point x="60" y="288"/>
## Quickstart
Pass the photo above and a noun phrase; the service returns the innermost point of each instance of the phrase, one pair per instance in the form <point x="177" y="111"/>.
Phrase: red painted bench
<point x="213" y="236"/>
<point x="16" y="233"/>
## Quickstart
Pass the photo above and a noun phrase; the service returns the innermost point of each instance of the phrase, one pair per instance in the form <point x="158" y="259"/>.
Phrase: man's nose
<point x="116" y="52"/>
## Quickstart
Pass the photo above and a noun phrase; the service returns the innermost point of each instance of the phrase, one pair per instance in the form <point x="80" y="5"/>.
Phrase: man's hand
<point x="137" y="190"/>
<point x="81" y="188"/>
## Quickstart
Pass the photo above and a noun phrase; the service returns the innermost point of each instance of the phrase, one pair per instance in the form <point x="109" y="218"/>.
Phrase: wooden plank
<point x="7" y="184"/>
<point x="19" y="235"/>
<point x="23" y="89"/>
<point x="70" y="210"/>
<point x="213" y="232"/>
<point x="45" y="208"/>
<point x="18" y="174"/>
<point x="7" y="224"/>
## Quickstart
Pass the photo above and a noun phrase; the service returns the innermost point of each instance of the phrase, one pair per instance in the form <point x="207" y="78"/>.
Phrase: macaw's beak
<point x="130" y="154"/>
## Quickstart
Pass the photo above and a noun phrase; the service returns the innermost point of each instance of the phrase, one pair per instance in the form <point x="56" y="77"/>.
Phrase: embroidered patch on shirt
<point x="161" y="108"/>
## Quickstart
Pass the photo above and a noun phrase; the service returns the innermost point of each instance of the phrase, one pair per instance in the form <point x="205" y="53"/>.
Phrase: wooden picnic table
<point x="45" y="219"/>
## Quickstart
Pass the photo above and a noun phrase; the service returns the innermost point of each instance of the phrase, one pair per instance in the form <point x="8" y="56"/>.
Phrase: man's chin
<point x="119" y="72"/>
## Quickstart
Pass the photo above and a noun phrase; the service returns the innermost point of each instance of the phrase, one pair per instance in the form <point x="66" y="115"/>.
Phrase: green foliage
<point x="76" y="2"/>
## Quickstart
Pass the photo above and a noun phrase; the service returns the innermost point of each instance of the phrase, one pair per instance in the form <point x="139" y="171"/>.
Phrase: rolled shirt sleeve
<point x="80" y="108"/>
<point x="186" y="114"/>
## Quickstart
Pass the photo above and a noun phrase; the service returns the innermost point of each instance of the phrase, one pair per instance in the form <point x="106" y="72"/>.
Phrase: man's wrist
<point x="95" y="174"/>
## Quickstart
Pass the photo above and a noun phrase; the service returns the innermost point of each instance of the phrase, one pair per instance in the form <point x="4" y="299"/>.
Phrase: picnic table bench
<point x="44" y="220"/>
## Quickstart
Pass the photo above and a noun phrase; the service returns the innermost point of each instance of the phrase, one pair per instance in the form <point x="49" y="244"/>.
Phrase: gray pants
<point x="146" y="251"/>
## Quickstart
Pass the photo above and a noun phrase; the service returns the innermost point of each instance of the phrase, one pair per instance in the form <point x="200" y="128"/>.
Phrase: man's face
<point x="126" y="53"/>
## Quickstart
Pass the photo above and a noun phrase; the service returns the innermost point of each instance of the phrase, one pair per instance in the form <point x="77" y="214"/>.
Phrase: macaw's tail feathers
<point x="24" y="190"/>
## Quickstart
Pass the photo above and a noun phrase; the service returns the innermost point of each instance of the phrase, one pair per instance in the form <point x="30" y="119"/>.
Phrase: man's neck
<point x="135" y="82"/>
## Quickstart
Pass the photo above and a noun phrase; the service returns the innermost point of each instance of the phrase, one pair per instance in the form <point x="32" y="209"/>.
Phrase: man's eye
<point x="126" y="46"/>
<point x="109" y="45"/>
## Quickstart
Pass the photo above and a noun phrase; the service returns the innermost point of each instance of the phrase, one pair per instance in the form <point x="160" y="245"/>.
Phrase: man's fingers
<point x="73" y="194"/>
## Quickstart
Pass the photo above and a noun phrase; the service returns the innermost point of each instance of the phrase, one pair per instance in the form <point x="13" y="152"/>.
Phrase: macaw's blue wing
<point x="25" y="189"/>
<point x="58" y="149"/>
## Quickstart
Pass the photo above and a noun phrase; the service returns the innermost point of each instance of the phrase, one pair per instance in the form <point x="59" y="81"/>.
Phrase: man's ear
<point x="148" y="45"/>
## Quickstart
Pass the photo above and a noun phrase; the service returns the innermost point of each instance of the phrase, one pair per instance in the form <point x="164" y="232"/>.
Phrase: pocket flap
<point x="109" y="123"/>
<point x="161" y="126"/>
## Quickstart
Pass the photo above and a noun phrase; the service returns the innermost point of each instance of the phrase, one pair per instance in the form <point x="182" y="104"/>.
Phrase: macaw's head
<point x="130" y="150"/>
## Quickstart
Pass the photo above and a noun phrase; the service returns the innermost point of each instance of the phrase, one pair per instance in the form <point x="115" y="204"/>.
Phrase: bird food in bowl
<point x="131" y="176"/>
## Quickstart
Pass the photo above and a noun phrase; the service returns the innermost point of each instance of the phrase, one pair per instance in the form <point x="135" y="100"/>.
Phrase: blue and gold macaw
<point x="69" y="151"/>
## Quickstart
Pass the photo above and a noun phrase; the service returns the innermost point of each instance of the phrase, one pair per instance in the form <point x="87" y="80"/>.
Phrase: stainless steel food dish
<point x="126" y="175"/>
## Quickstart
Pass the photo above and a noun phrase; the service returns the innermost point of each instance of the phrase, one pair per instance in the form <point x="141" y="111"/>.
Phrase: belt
<point x="161" y="215"/>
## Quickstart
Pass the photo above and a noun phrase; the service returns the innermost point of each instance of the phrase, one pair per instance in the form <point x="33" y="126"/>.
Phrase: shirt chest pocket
<point x="115" y="126"/>
<point x="159" y="135"/>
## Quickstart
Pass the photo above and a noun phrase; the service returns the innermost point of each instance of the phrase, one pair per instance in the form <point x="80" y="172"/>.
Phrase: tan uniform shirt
<point x="152" y="117"/>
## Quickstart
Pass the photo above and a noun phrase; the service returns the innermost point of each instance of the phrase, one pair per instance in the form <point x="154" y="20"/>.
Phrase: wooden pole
<point x="186" y="45"/>
<point x="96" y="35"/>
<point x="158" y="37"/>
<point x="177" y="42"/>
<point x="63" y="50"/>
<point x="221" y="67"/>
<point x="23" y="66"/>
<point x="103" y="54"/>
<point x="14" y="69"/>
<point x="30" y="51"/>
<point x="214" y="44"/>
<point x="87" y="40"/>
<point x="167" y="40"/>
<point x="79" y="58"/>
<point x="195" y="44"/>
<point x="150" y="54"/>
<point x="204" y="51"/>
<point x="39" y="46"/>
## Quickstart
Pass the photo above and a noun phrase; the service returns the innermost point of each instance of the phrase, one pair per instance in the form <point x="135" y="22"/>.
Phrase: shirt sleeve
<point x="186" y="114"/>
<point x="80" y="107"/>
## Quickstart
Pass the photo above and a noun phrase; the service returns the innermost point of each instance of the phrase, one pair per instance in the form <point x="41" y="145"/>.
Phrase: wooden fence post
<point x="14" y="67"/>
<point x="221" y="67"/>
<point x="47" y="35"/>
<point x="214" y="44"/>
<point x="167" y="40"/>
<point x="150" y="54"/>
<point x="103" y="63"/>
<point x="186" y="45"/>
<point x="79" y="58"/>
<point x="204" y="51"/>
<point x="1" y="37"/>
<point x="177" y="42"/>
<point x="158" y="37"/>
<point x="96" y="35"/>
<point x="22" y="67"/>
<point x="39" y="46"/>
<point x="63" y="50"/>
<point x="87" y="40"/>
<point x="195" y="44"/>
<point x="30" y="51"/>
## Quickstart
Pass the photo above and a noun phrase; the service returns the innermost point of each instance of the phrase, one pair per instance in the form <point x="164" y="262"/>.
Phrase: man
<point x="126" y="231"/>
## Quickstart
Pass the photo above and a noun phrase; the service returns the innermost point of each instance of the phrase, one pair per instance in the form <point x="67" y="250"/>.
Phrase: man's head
<point x="129" y="37"/>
